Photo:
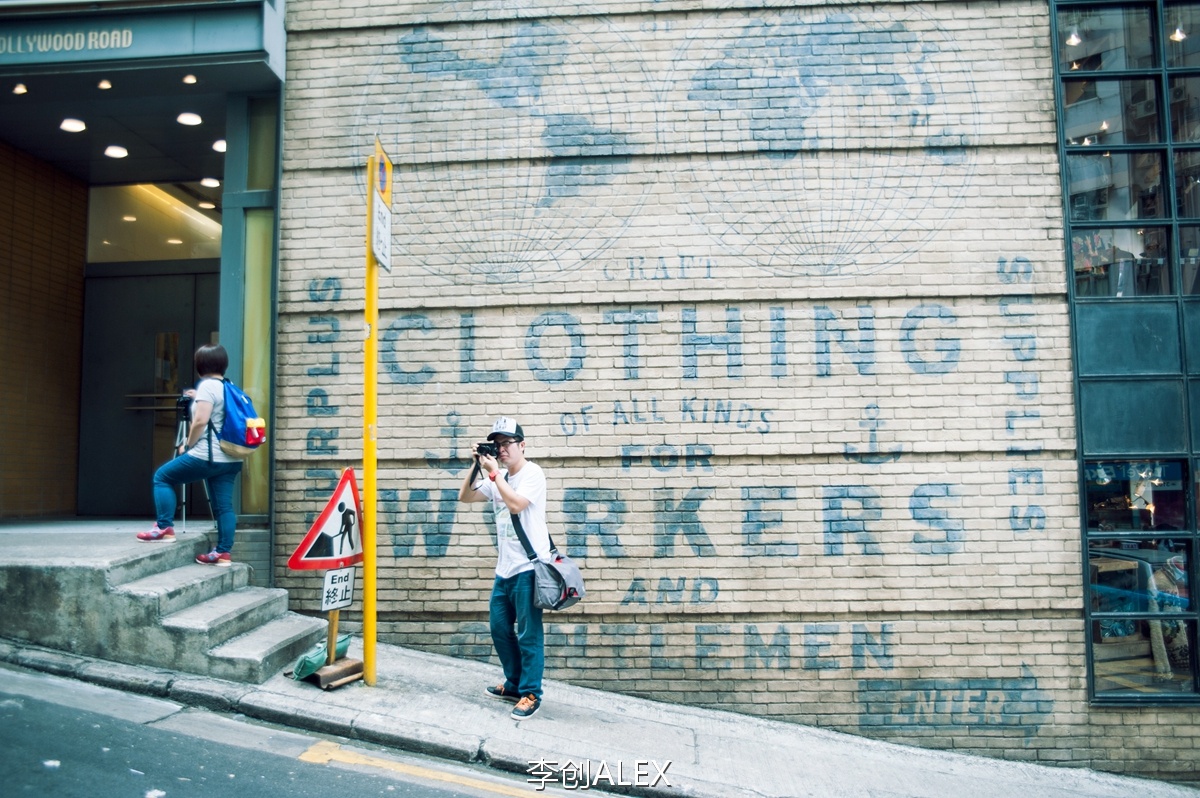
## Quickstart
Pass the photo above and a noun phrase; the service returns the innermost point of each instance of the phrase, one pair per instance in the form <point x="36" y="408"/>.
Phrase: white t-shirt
<point x="213" y="392"/>
<point x="529" y="482"/>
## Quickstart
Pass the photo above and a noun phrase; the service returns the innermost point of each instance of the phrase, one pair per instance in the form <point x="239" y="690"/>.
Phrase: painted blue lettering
<point x="581" y="525"/>
<point x="1025" y="383"/>
<point x="317" y="403"/>
<point x="779" y="650"/>
<point x="319" y="442"/>
<point x="1018" y="270"/>
<point x="1024" y="346"/>
<point x="1028" y="519"/>
<point x="861" y="353"/>
<point x="815" y="643"/>
<point x="949" y="348"/>
<point x="923" y="511"/>
<point x="778" y="330"/>
<point x="756" y="520"/>
<point x="421" y="519"/>
<point x="575" y="348"/>
<point x="879" y="646"/>
<point x="658" y="647"/>
<point x="636" y="593"/>
<point x="327" y="482"/>
<point x="324" y="337"/>
<point x="671" y="520"/>
<point x="708" y="648"/>
<point x="466" y="355"/>
<point x="838" y="523"/>
<point x="730" y="343"/>
<point x="390" y="359"/>
<point x="670" y="592"/>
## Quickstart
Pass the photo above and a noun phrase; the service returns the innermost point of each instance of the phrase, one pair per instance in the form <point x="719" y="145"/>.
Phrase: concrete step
<point x="201" y="627"/>
<point x="259" y="654"/>
<point x="152" y="558"/>
<point x="170" y="591"/>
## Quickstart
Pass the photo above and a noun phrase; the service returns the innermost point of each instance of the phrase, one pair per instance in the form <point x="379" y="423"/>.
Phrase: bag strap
<point x="210" y="430"/>
<point x="520" y="530"/>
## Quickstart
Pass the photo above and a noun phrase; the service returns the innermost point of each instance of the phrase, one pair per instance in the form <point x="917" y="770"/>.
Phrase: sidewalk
<point x="436" y="705"/>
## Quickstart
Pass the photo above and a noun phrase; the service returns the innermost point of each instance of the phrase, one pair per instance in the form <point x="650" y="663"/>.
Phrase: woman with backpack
<point x="201" y="458"/>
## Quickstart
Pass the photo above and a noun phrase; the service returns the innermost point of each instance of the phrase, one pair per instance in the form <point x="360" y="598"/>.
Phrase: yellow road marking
<point x="324" y="752"/>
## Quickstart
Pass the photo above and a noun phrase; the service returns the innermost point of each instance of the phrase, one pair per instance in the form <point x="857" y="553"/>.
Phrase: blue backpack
<point x="243" y="431"/>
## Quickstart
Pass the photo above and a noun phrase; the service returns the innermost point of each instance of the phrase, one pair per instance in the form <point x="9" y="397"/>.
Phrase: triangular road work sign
<point x="334" y="541"/>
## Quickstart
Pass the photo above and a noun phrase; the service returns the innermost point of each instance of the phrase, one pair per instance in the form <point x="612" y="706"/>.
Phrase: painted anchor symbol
<point x="873" y="456"/>
<point x="453" y="464"/>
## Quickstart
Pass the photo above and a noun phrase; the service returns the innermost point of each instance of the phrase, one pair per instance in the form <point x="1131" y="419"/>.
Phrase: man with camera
<point x="520" y="490"/>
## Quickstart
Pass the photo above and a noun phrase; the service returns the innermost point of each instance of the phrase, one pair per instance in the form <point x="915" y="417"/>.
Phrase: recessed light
<point x="188" y="118"/>
<point x="19" y="89"/>
<point x="219" y="145"/>
<point x="115" y="151"/>
<point x="73" y="125"/>
<point x="208" y="206"/>
<point x="174" y="241"/>
<point x="104" y="84"/>
<point x="210" y="182"/>
<point x="129" y="218"/>
<point x="189" y="79"/>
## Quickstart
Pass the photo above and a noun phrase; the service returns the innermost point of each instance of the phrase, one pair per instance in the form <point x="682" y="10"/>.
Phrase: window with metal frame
<point x="1128" y="97"/>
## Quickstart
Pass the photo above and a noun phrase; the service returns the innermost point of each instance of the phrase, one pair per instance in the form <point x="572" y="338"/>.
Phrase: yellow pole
<point x="370" y="412"/>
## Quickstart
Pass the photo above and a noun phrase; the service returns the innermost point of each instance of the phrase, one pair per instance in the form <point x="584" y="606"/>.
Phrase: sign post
<point x="335" y="541"/>
<point x="379" y="253"/>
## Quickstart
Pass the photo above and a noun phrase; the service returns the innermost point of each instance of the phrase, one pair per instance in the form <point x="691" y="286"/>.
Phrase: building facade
<point x="855" y="339"/>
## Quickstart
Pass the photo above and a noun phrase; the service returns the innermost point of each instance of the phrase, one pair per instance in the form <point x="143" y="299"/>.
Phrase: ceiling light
<point x="189" y="79"/>
<point x="129" y="218"/>
<point x="19" y="89"/>
<point x="208" y="206"/>
<point x="115" y="151"/>
<point x="104" y="84"/>
<point x="1178" y="35"/>
<point x="210" y="182"/>
<point x="1073" y="40"/>
<point x="73" y="125"/>
<point x="188" y="118"/>
<point x="174" y="241"/>
<point x="219" y="145"/>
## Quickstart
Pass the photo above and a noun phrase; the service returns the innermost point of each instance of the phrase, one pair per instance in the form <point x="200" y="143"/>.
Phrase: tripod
<point x="183" y="412"/>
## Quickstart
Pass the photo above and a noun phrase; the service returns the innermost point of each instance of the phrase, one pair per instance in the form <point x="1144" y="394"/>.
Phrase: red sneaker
<point x="155" y="534"/>
<point x="215" y="557"/>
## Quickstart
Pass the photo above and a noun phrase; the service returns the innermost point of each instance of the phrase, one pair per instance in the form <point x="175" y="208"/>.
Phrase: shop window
<point x="1105" y="38"/>
<point x="1122" y="262"/>
<point x="1139" y="555"/>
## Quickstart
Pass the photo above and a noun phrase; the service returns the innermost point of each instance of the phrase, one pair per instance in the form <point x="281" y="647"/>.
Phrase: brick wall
<point x="43" y="221"/>
<point x="778" y="296"/>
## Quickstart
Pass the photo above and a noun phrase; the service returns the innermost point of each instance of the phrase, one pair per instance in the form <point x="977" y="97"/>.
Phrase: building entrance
<point x="139" y="336"/>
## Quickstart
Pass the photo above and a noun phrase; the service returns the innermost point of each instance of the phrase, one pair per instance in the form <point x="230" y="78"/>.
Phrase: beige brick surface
<point x="778" y="295"/>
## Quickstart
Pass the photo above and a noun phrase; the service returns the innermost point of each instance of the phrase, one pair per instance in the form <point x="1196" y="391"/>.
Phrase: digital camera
<point x="488" y="448"/>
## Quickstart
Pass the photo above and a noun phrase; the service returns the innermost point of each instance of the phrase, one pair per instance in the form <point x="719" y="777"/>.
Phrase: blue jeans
<point x="185" y="469"/>
<point x="523" y="652"/>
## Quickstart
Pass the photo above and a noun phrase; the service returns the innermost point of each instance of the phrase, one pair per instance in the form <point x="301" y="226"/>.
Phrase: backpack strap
<point x="209" y="431"/>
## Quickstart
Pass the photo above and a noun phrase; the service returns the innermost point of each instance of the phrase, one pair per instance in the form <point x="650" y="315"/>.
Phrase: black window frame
<point x="1097" y="381"/>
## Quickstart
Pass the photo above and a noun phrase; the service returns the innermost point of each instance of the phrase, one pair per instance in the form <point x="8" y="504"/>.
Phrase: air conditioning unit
<point x="1178" y="94"/>
<point x="1144" y="109"/>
